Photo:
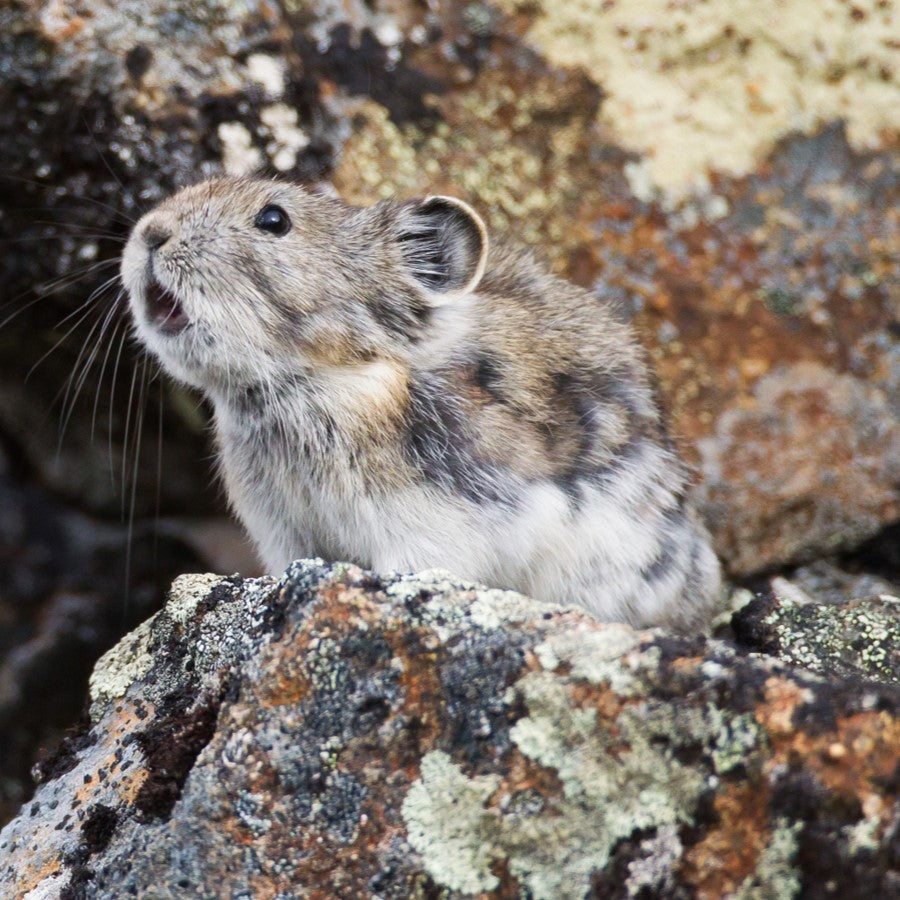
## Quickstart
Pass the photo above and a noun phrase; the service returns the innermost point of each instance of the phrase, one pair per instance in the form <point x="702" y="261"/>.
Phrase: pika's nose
<point x="155" y="235"/>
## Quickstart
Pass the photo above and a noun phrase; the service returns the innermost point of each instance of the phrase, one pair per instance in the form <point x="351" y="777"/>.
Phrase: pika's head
<point x="237" y="280"/>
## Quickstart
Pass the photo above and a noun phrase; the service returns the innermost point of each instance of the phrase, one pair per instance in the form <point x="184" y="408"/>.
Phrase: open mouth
<point x="164" y="309"/>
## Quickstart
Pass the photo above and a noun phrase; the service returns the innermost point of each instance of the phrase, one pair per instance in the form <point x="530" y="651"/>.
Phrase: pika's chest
<point x="304" y="487"/>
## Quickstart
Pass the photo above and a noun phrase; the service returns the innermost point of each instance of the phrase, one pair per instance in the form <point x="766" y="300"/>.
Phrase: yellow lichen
<point x="699" y="85"/>
<point x="507" y="175"/>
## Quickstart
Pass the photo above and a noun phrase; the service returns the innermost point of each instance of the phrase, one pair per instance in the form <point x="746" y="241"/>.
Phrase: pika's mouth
<point x="164" y="309"/>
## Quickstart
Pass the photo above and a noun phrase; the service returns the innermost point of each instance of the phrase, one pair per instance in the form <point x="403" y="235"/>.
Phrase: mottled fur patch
<point x="440" y="445"/>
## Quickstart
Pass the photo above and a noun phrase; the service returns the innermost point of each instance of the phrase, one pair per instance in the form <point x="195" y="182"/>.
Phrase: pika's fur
<point x="389" y="391"/>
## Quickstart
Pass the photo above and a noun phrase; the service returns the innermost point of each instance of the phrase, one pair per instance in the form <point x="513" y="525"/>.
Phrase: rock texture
<point x="338" y="734"/>
<point x="725" y="173"/>
<point x="858" y="637"/>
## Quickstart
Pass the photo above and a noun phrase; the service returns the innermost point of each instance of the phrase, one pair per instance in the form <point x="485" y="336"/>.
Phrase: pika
<point x="392" y="389"/>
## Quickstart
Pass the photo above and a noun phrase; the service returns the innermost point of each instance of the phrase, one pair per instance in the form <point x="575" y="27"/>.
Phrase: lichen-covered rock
<point x="857" y="637"/>
<point x="740" y="206"/>
<point x="338" y="734"/>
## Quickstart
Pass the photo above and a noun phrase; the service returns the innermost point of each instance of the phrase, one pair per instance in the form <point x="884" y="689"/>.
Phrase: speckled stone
<point x="337" y="733"/>
<point x="857" y="637"/>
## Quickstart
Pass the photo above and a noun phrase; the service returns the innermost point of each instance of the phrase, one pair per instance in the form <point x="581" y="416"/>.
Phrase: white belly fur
<point x="590" y="555"/>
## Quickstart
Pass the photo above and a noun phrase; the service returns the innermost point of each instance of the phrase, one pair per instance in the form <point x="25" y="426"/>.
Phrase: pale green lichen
<point x="704" y="85"/>
<point x="446" y="823"/>
<point x="495" y="608"/>
<point x="858" y="638"/>
<point x="616" y="778"/>
<point x="454" y="603"/>
<point x="863" y="835"/>
<point x="775" y="877"/>
<point x="121" y="665"/>
<point x="186" y="593"/>
<point x="737" y="737"/>
<point x="130" y="659"/>
<point x="606" y="795"/>
<point x="592" y="654"/>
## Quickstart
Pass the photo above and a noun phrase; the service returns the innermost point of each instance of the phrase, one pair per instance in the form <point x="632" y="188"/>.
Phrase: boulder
<point x="337" y="733"/>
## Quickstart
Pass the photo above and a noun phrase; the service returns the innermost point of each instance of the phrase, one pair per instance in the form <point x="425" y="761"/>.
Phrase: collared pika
<point x="390" y="391"/>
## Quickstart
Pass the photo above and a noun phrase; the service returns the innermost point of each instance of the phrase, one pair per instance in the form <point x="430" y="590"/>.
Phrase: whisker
<point x="76" y="228"/>
<point x="74" y="197"/>
<point x="64" y="338"/>
<point x="157" y="499"/>
<point x="125" y="443"/>
<point x="139" y="430"/>
<point x="101" y="154"/>
<point x="70" y="402"/>
<point x="61" y="283"/>
<point x="95" y="294"/>
<point x="66" y="388"/>
<point x="109" y="345"/>
<point x="112" y="397"/>
<point x="87" y="235"/>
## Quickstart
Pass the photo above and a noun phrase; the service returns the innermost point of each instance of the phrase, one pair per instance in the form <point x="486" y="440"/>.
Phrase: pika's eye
<point x="273" y="219"/>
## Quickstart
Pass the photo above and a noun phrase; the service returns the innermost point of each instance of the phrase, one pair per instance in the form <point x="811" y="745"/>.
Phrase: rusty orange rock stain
<point x="728" y="853"/>
<point x="776" y="712"/>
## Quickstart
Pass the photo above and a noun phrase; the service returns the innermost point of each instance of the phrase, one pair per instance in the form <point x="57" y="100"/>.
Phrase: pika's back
<point x="550" y="379"/>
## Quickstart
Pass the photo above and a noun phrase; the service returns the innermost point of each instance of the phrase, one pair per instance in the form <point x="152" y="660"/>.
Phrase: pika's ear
<point x="444" y="246"/>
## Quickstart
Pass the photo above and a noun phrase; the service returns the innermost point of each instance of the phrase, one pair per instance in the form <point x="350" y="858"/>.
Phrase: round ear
<point x="444" y="246"/>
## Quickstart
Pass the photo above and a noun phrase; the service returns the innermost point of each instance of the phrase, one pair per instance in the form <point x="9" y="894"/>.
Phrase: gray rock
<point x="346" y="735"/>
<point x="856" y="637"/>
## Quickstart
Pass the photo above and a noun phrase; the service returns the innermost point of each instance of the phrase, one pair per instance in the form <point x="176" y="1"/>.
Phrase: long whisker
<point x="129" y="409"/>
<point x="109" y="345"/>
<point x="112" y="398"/>
<point x="77" y="198"/>
<point x="101" y="154"/>
<point x="157" y="500"/>
<point x="52" y="287"/>
<point x="76" y="228"/>
<point x="69" y="402"/>
<point x="87" y="235"/>
<point x="86" y="306"/>
<point x="66" y="389"/>
<point x="139" y="430"/>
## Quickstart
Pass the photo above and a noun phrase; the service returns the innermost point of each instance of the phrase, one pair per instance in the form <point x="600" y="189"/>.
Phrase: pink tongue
<point x="164" y="309"/>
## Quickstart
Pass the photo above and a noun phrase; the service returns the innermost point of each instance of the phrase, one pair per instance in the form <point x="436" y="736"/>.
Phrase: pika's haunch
<point x="391" y="391"/>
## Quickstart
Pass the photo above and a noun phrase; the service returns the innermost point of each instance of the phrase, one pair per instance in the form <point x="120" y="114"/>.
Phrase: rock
<point x="70" y="587"/>
<point x="857" y="637"/>
<point x="828" y="582"/>
<point x="411" y="735"/>
<point x="778" y="474"/>
<point x="740" y="208"/>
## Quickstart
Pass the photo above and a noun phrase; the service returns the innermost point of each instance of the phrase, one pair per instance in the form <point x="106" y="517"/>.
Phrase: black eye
<point x="273" y="219"/>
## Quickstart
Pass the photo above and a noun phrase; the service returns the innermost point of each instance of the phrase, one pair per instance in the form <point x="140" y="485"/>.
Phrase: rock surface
<point x="740" y="206"/>
<point x="859" y="637"/>
<point x="337" y="734"/>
